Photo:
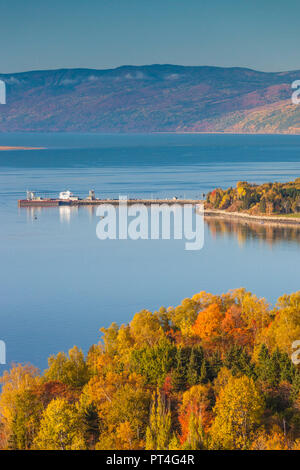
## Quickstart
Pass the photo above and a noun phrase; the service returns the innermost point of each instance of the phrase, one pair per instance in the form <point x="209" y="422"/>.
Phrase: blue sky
<point x="43" y="34"/>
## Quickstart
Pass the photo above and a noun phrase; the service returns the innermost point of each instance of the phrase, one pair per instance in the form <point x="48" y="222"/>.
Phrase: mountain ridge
<point x="150" y="98"/>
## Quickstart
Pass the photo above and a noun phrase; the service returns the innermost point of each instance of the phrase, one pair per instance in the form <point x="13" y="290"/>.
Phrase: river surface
<point x="59" y="283"/>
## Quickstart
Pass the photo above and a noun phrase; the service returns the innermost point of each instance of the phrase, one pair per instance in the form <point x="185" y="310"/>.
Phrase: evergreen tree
<point x="239" y="362"/>
<point x="287" y="368"/>
<point x="203" y="373"/>
<point x="274" y="368"/>
<point x="90" y="424"/>
<point x="154" y="363"/>
<point x="179" y="375"/>
<point x="214" y="365"/>
<point x="192" y="372"/>
<point x="296" y="386"/>
<point x="194" y="366"/>
<point x="263" y="367"/>
<point x="263" y="205"/>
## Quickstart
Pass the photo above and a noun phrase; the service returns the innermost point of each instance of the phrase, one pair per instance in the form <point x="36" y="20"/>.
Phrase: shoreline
<point x="169" y="132"/>
<point x="224" y="133"/>
<point x="262" y="219"/>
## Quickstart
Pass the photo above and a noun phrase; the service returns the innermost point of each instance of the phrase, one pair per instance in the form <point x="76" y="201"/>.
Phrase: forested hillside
<point x="152" y="98"/>
<point x="212" y="373"/>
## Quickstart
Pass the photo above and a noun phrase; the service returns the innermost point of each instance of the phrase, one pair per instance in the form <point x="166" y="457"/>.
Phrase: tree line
<point x="267" y="198"/>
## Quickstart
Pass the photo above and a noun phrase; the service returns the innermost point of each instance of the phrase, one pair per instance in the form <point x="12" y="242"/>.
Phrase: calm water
<point x="59" y="284"/>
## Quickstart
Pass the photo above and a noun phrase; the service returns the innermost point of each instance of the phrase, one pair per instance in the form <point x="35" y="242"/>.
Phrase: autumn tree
<point x="159" y="431"/>
<point x="196" y="439"/>
<point x="18" y="386"/>
<point x="183" y="316"/>
<point x="71" y="370"/>
<point x="146" y="329"/>
<point x="61" y="427"/>
<point x="123" y="418"/>
<point x="208" y="324"/>
<point x="195" y="416"/>
<point x="25" y="424"/>
<point x="285" y="329"/>
<point x="238" y="412"/>
<point x="275" y="440"/>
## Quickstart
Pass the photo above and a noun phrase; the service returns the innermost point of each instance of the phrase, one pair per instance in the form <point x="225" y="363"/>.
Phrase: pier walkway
<point x="96" y="202"/>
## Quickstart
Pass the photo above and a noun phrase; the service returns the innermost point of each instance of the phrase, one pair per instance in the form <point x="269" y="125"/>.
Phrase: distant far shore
<point x="21" y="148"/>
<point x="224" y="133"/>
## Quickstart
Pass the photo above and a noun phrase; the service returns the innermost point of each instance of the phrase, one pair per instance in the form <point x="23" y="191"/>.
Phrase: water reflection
<point x="66" y="212"/>
<point x="32" y="213"/>
<point x="244" y="231"/>
<point x="241" y="230"/>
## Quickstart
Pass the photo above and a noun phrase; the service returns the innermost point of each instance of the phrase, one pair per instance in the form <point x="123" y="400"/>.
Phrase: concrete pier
<point x="96" y="202"/>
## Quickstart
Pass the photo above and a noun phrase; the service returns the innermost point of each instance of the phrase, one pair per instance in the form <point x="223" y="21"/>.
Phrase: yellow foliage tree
<point x="238" y="411"/>
<point x="273" y="441"/>
<point x="145" y="328"/>
<point x="285" y="329"/>
<point x="61" y="427"/>
<point x="19" y="379"/>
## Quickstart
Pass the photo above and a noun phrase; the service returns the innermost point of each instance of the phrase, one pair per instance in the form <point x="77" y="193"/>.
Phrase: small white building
<point x="30" y="195"/>
<point x="91" y="196"/>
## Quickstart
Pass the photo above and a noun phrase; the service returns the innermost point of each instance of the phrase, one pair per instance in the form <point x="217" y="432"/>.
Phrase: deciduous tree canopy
<point x="214" y="372"/>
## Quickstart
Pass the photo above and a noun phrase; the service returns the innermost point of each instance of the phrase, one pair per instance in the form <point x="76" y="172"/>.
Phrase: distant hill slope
<point x="155" y="98"/>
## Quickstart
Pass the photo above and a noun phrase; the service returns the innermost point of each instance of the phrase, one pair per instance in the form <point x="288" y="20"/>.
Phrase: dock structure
<point x="66" y="198"/>
<point x="97" y="202"/>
